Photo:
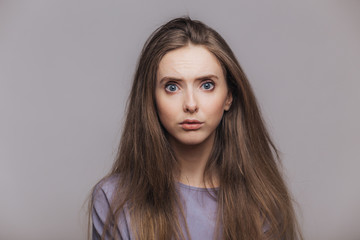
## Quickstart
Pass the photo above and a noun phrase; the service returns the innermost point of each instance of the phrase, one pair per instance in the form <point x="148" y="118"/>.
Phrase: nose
<point x="190" y="104"/>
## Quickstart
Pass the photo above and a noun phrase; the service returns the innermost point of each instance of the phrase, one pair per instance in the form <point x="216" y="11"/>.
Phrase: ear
<point x="228" y="101"/>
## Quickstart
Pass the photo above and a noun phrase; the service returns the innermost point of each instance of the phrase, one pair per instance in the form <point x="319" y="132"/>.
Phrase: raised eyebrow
<point x="168" y="79"/>
<point x="207" y="77"/>
<point x="210" y="76"/>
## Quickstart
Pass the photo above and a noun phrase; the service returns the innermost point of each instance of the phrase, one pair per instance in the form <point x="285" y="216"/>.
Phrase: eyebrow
<point x="179" y="79"/>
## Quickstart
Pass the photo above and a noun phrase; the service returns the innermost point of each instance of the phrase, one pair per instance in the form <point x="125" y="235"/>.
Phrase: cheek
<point x="214" y="108"/>
<point x="166" y="110"/>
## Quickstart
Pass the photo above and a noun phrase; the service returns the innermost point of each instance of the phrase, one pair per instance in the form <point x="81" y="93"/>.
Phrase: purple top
<point x="199" y="209"/>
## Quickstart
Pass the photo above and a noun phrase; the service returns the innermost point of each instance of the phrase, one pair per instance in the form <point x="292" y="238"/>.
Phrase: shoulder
<point x="103" y="192"/>
<point x="103" y="210"/>
<point x="107" y="185"/>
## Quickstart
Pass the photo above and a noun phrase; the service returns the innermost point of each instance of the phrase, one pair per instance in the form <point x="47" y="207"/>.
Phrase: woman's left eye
<point x="207" y="85"/>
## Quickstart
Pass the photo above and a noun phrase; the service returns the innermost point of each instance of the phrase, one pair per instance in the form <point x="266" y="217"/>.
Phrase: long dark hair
<point x="252" y="192"/>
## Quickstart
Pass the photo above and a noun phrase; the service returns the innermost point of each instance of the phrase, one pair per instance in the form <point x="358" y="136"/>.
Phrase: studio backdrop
<point x="65" y="73"/>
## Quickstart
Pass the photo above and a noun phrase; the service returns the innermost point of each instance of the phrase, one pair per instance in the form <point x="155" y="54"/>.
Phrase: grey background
<point x="65" y="73"/>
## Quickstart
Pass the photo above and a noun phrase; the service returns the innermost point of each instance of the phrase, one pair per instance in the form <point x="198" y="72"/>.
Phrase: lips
<point x="191" y="124"/>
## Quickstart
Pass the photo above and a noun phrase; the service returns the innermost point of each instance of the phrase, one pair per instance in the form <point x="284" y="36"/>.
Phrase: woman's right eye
<point x="171" y="87"/>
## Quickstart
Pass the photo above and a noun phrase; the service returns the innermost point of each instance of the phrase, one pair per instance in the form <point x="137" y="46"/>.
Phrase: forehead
<point x="189" y="62"/>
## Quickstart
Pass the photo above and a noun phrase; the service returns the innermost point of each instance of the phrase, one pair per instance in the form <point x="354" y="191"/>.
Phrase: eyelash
<point x="170" y="84"/>
<point x="212" y="85"/>
<point x="174" y="84"/>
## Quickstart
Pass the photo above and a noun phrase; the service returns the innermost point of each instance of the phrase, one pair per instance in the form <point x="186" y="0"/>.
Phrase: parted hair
<point x="252" y="194"/>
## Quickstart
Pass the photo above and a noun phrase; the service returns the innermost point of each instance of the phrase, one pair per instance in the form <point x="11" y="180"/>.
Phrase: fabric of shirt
<point x="199" y="209"/>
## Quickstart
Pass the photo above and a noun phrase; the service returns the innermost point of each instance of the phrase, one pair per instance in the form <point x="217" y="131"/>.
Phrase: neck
<point x="193" y="159"/>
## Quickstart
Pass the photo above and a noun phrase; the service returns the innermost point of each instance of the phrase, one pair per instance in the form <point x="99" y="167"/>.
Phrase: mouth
<point x="191" y="124"/>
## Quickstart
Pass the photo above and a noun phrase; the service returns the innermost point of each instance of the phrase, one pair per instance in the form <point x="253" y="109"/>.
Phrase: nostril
<point x="190" y="104"/>
<point x="191" y="109"/>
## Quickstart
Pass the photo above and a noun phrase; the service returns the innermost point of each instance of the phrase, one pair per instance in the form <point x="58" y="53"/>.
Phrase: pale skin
<point x="191" y="96"/>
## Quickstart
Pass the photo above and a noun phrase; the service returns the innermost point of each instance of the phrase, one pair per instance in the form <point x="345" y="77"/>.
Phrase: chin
<point x="191" y="140"/>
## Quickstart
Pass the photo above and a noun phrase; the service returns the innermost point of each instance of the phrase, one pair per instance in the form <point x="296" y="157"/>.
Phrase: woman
<point x="195" y="160"/>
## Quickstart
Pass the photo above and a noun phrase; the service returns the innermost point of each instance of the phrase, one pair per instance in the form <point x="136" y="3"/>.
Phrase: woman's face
<point x="191" y="94"/>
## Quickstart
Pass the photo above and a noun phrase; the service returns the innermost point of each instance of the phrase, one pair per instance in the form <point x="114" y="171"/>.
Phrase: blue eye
<point x="208" y="86"/>
<point x="171" y="87"/>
